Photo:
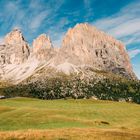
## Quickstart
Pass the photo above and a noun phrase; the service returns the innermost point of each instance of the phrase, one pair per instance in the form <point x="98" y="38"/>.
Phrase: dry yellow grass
<point x="33" y="119"/>
<point x="71" y="134"/>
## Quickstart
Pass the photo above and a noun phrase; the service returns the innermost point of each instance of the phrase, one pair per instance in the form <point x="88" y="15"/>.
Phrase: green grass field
<point x="24" y="114"/>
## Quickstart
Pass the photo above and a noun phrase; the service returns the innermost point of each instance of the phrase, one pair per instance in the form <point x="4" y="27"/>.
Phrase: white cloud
<point x="87" y="3"/>
<point x="57" y="32"/>
<point x="33" y="18"/>
<point x="127" y="28"/>
<point x="37" y="20"/>
<point x="11" y="6"/>
<point x="125" y="25"/>
<point x="57" y="39"/>
<point x="131" y="39"/>
<point x="1" y="40"/>
<point x="133" y="53"/>
<point x="88" y="8"/>
<point x="137" y="70"/>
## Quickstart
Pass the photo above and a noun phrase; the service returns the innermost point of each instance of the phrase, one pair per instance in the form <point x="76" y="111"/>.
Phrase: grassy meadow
<point x="27" y="118"/>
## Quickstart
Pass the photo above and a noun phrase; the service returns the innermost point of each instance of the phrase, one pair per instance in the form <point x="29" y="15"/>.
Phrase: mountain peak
<point x="87" y="45"/>
<point x="14" y="37"/>
<point x="43" y="48"/>
<point x="83" y="25"/>
<point x="15" y="49"/>
<point x="42" y="42"/>
<point x="83" y="47"/>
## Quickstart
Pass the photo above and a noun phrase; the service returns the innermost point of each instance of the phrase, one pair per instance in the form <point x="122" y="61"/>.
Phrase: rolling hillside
<point x="68" y="119"/>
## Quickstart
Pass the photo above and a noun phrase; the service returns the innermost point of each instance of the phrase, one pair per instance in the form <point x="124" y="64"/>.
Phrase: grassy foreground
<point x="26" y="118"/>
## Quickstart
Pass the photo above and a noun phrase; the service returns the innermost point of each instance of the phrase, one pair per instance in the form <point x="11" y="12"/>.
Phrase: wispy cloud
<point x="88" y="8"/>
<point x="137" y="70"/>
<point x="57" y="32"/>
<point x="37" y="20"/>
<point x="32" y="17"/>
<point x="133" y="53"/>
<point x="1" y="40"/>
<point x="125" y="25"/>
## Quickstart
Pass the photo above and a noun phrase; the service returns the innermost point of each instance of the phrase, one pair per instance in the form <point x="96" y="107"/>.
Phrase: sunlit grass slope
<point x="25" y="113"/>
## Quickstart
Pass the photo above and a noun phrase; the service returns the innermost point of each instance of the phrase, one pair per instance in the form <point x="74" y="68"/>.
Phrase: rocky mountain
<point x="15" y="49"/>
<point x="43" y="48"/>
<point x="85" y="45"/>
<point x="85" y="49"/>
<point x="42" y="42"/>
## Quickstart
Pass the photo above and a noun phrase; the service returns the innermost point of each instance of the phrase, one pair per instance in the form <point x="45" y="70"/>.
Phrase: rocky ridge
<point x="84" y="47"/>
<point x="42" y="42"/>
<point x="43" y="48"/>
<point x="15" y="49"/>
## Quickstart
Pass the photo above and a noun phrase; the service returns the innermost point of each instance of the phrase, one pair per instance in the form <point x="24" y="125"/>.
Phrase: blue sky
<point x="119" y="18"/>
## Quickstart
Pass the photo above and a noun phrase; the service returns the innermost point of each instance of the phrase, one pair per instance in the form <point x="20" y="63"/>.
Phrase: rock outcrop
<point x="42" y="47"/>
<point x="84" y="50"/>
<point x="15" y="49"/>
<point x="42" y="42"/>
<point x="85" y="45"/>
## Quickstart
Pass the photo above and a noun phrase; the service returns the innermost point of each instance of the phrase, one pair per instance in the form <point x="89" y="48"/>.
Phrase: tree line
<point x="57" y="88"/>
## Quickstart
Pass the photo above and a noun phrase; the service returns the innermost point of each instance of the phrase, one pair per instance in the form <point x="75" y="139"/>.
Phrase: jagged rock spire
<point x="15" y="48"/>
<point x="42" y="42"/>
<point x="86" y="45"/>
<point x="43" y="48"/>
<point x="83" y="46"/>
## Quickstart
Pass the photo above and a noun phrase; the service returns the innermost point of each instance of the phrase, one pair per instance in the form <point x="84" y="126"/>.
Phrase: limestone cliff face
<point x="15" y="49"/>
<point x="84" y="50"/>
<point x="42" y="47"/>
<point x="84" y="45"/>
<point x="42" y="42"/>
